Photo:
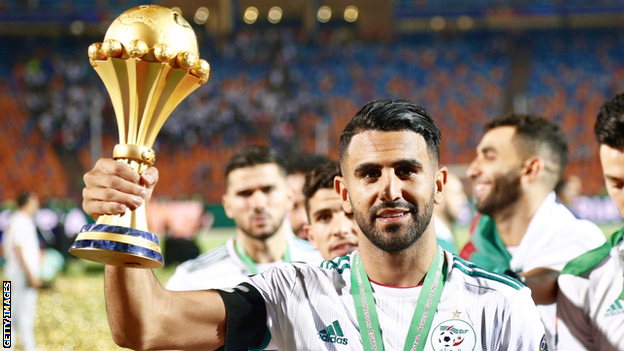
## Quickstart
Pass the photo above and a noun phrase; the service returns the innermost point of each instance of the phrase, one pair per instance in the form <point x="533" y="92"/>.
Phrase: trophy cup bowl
<point x="149" y="62"/>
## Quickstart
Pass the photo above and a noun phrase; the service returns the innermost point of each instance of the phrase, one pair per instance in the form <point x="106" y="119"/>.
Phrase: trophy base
<point x="117" y="246"/>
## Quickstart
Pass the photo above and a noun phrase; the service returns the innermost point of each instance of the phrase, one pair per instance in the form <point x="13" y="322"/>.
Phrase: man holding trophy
<point x="390" y="180"/>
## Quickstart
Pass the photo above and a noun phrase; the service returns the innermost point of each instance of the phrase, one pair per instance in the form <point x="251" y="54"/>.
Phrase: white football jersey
<point x="221" y="267"/>
<point x="554" y="237"/>
<point x="590" y="305"/>
<point x="311" y="308"/>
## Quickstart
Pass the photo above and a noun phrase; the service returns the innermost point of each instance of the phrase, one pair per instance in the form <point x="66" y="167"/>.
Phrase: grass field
<point x="72" y="316"/>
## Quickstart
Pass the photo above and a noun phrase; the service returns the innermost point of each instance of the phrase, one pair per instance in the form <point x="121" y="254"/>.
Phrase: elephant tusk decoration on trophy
<point x="149" y="62"/>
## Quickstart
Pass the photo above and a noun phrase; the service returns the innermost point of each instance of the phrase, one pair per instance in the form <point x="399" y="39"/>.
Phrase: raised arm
<point x="141" y="313"/>
<point x="144" y="316"/>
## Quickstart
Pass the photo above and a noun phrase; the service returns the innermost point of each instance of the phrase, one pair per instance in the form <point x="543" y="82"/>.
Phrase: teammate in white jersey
<point x="523" y="229"/>
<point x="389" y="156"/>
<point x="257" y="199"/>
<point x="225" y="266"/>
<point x="591" y="293"/>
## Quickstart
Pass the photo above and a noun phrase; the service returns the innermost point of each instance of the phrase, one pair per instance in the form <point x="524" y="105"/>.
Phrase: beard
<point x="395" y="237"/>
<point x="505" y="191"/>
<point x="265" y="233"/>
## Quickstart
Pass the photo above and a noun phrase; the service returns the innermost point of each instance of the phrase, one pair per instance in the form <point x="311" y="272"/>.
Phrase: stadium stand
<point x="276" y="86"/>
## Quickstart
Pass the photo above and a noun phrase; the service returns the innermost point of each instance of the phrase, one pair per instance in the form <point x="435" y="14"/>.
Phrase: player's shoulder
<point x="208" y="259"/>
<point x="594" y="263"/>
<point x="464" y="272"/>
<point x="328" y="271"/>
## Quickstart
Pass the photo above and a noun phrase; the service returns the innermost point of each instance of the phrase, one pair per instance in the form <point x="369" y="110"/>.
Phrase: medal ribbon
<point x="249" y="262"/>
<point x="426" y="306"/>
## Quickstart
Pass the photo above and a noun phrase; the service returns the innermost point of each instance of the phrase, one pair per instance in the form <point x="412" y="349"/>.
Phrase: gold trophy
<point x="149" y="62"/>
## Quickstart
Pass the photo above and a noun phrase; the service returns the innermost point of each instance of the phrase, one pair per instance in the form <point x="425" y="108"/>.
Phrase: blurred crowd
<point x="278" y="87"/>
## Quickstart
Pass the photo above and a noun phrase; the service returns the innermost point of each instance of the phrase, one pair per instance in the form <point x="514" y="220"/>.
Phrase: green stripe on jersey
<point x="585" y="263"/>
<point x="473" y="270"/>
<point x="338" y="263"/>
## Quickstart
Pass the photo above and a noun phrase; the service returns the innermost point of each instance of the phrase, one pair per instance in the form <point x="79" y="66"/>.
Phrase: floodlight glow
<point x="324" y="14"/>
<point x="251" y="15"/>
<point x="437" y="23"/>
<point x="351" y="14"/>
<point x="465" y="22"/>
<point x="275" y="14"/>
<point x="201" y="16"/>
<point x="77" y="27"/>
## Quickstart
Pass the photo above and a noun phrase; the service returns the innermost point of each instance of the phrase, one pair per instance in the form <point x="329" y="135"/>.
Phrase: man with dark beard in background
<point x="523" y="231"/>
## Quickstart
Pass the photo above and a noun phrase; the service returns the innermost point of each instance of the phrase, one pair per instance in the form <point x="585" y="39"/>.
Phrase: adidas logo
<point x="615" y="309"/>
<point x="333" y="334"/>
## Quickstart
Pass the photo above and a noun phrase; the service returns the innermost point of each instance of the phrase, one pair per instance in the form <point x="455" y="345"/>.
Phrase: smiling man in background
<point x="523" y="231"/>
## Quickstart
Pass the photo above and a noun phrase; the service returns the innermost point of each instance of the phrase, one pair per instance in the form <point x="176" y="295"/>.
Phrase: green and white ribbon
<point x="426" y="306"/>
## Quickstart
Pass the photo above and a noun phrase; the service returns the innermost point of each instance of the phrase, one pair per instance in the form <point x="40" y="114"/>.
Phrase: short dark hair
<point x="306" y="163"/>
<point x="253" y="156"/>
<point x="322" y="177"/>
<point x="24" y="197"/>
<point x="393" y="116"/>
<point x="609" y="127"/>
<point x="536" y="133"/>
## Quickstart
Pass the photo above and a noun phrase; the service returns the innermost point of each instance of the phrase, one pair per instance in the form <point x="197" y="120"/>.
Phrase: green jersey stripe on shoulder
<point x="338" y="263"/>
<point x="473" y="270"/>
<point x="208" y="258"/>
<point x="583" y="265"/>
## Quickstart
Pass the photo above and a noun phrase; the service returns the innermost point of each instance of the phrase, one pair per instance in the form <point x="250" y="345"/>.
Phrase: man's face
<point x="297" y="214"/>
<point x="390" y="184"/>
<point x="331" y="231"/>
<point x="257" y="199"/>
<point x="612" y="161"/>
<point x="495" y="173"/>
